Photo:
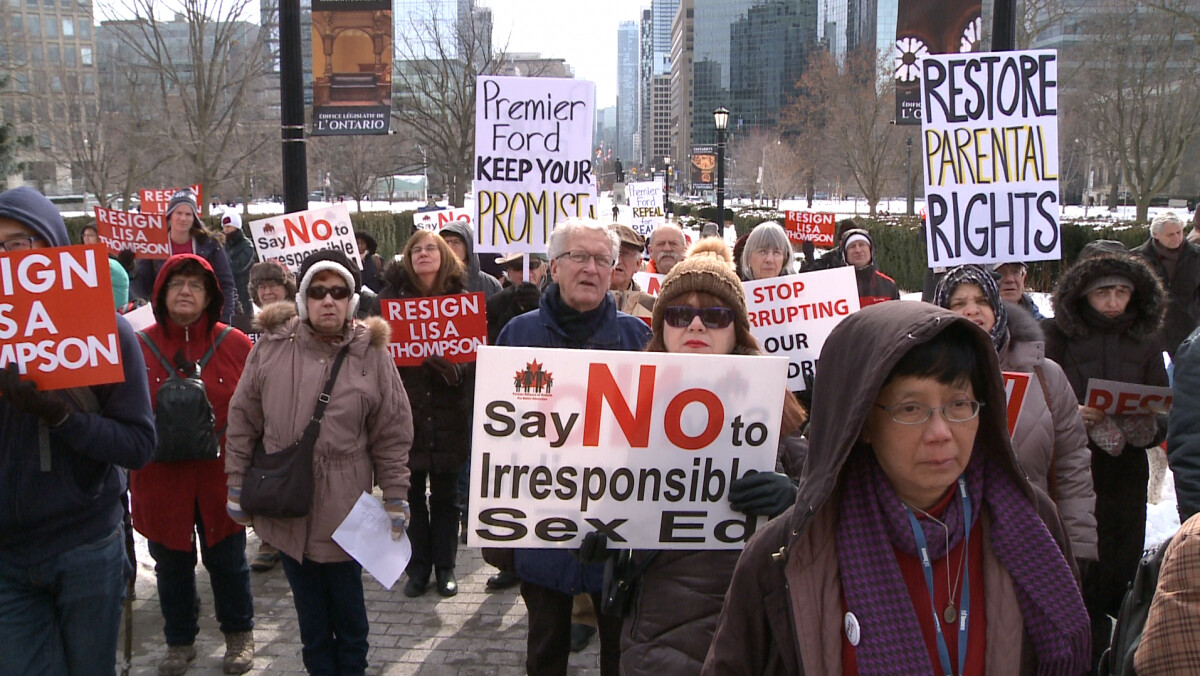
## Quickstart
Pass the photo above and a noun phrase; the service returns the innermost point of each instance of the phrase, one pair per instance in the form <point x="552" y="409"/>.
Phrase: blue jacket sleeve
<point x="1183" y="428"/>
<point x="122" y="433"/>
<point x="220" y="265"/>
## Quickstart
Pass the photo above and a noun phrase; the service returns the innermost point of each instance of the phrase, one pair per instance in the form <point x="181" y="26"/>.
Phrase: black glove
<point x="24" y="396"/>
<point x="805" y="396"/>
<point x="526" y="297"/>
<point x="127" y="260"/>
<point x="809" y="251"/>
<point x="444" y="368"/>
<point x="594" y="548"/>
<point x="762" y="493"/>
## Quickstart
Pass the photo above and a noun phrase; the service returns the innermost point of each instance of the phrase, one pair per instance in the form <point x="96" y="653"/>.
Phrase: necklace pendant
<point x="950" y="614"/>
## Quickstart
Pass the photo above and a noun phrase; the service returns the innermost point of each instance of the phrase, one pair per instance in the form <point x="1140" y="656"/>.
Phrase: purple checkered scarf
<point x="873" y="520"/>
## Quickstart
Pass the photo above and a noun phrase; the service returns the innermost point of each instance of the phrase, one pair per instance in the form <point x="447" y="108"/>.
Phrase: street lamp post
<point x="908" y="142"/>
<point x="721" y="121"/>
<point x="667" y="187"/>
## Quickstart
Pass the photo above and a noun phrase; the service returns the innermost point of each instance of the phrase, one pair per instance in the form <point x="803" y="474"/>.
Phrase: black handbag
<point x="280" y="485"/>
<point x="621" y="577"/>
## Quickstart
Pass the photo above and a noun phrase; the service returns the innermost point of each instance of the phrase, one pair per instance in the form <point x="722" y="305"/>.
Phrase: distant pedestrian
<point x="1176" y="261"/>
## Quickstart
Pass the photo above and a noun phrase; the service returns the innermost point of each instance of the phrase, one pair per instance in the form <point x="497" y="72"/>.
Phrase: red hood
<point x="216" y="299"/>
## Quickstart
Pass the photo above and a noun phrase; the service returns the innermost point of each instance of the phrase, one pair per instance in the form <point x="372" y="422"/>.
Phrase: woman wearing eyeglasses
<point x="767" y="252"/>
<point x="916" y="545"/>
<point x="440" y="394"/>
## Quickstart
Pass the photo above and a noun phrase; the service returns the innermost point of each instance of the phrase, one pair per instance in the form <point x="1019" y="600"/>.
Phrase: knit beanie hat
<point x="231" y="219"/>
<point x="974" y="274"/>
<point x="708" y="268"/>
<point x="181" y="198"/>
<point x="333" y="260"/>
<point x="857" y="235"/>
<point x="271" y="271"/>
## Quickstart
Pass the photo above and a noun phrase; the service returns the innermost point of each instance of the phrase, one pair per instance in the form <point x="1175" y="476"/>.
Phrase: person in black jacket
<point x="241" y="258"/>
<point x="1183" y="427"/>
<point x="518" y="296"/>
<point x="1177" y="263"/>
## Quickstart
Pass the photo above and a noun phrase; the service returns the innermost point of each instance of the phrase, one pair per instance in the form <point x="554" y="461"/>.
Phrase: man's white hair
<point x="565" y="230"/>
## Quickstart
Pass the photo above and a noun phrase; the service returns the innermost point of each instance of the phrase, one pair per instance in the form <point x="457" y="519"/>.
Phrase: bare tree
<point x="771" y="163"/>
<point x="354" y="163"/>
<point x="11" y="142"/>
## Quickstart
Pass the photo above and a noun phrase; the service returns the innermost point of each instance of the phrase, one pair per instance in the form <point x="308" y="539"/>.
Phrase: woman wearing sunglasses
<point x="440" y="394"/>
<point x="916" y="545"/>
<point x="701" y="310"/>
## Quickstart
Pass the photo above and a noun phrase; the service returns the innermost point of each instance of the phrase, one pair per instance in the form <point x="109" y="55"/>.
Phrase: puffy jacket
<point x="1050" y="433"/>
<point x="204" y="246"/>
<point x="365" y="435"/>
<point x="1183" y="292"/>
<point x="1183" y="427"/>
<point x="633" y="301"/>
<point x="874" y="286"/>
<point x="167" y="495"/>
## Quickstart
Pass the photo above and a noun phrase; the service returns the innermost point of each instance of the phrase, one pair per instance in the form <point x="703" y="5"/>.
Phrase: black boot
<point x="446" y="584"/>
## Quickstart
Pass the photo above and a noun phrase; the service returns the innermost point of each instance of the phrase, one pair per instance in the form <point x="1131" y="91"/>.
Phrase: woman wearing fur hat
<point x="1049" y="438"/>
<point x="1108" y="308"/>
<point x="364" y="440"/>
<point x="271" y="282"/>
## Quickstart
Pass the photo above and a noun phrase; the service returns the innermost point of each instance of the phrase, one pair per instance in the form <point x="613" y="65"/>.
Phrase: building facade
<point x="627" y="89"/>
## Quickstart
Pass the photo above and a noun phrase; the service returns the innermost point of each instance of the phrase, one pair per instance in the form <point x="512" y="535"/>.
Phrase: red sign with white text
<point x="1015" y="387"/>
<point x="144" y="234"/>
<point x="155" y="200"/>
<point x="452" y="327"/>
<point x="807" y="226"/>
<point x="57" y="321"/>
<point x="1115" y="398"/>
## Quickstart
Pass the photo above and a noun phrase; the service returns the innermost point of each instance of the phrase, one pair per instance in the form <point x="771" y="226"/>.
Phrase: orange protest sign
<point x="155" y="201"/>
<point x="143" y="234"/>
<point x="1015" y="386"/>
<point x="57" y="321"/>
<point x="806" y="226"/>
<point x="452" y="327"/>
<point x="1117" y="398"/>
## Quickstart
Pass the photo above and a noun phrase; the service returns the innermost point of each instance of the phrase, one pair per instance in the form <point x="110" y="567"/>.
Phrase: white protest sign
<point x="436" y="218"/>
<point x="533" y="159"/>
<point x="646" y="201"/>
<point x="1116" y="398"/>
<point x="641" y="445"/>
<point x="792" y="315"/>
<point x="649" y="282"/>
<point x="290" y="238"/>
<point x="990" y="130"/>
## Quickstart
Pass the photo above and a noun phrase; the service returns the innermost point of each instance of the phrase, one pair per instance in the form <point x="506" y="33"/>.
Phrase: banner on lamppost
<point x="924" y="28"/>
<point x="704" y="167"/>
<point x="352" y="67"/>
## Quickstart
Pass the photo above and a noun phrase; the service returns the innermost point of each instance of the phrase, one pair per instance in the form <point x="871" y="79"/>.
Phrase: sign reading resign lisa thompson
<point x="56" y="317"/>
<point x="451" y="327"/>
<point x="991" y="157"/>
<point x="533" y="159"/>
<point x="290" y="238"/>
<point x="641" y="446"/>
<point x="145" y="234"/>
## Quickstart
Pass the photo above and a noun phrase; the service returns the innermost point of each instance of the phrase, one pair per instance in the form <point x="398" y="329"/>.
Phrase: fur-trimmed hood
<point x="1022" y="327"/>
<point x="1149" y="301"/>
<point x="277" y="318"/>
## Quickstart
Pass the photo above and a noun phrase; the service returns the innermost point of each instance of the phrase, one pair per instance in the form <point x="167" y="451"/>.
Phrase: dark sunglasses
<point x="681" y="316"/>
<point x="319" y="292"/>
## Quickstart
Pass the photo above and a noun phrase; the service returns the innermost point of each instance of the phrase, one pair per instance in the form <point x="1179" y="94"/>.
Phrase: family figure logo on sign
<point x="155" y="200"/>
<point x="991" y="157"/>
<point x="641" y="446"/>
<point x="807" y="226"/>
<point x="290" y="238"/>
<point x="792" y="315"/>
<point x="533" y="159"/>
<point x="646" y="201"/>
<point x="453" y="327"/>
<point x="1116" y="398"/>
<point x="57" y="322"/>
<point x="437" y="218"/>
<point x="144" y="234"/>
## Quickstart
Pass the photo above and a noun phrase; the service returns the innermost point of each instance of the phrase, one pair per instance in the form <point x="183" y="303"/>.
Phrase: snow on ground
<point x="1162" y="519"/>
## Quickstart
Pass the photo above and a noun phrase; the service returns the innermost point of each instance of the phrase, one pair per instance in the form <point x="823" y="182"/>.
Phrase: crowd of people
<point x="912" y="528"/>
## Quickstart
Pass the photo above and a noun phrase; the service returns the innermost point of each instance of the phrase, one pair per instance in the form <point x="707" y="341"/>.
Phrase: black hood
<point x="1149" y="301"/>
<point x="31" y="209"/>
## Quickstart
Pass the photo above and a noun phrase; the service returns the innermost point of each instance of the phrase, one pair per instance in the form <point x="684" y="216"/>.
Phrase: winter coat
<point x="204" y="246"/>
<point x="783" y="612"/>
<point x="477" y="280"/>
<point x="44" y="513"/>
<point x="241" y="258"/>
<point x="365" y="435"/>
<point x="1183" y="427"/>
<point x="1050" y="434"/>
<point x="874" y="286"/>
<point x="441" y="412"/>
<point x="634" y="302"/>
<point x="1031" y="307"/>
<point x="559" y="569"/>
<point x="166" y="496"/>
<point x="1183" y="292"/>
<point x="1168" y="643"/>
<point x="503" y="306"/>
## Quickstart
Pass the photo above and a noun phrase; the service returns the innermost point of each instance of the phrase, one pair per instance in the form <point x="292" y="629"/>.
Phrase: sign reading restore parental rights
<point x="641" y="446"/>
<point x="990" y="128"/>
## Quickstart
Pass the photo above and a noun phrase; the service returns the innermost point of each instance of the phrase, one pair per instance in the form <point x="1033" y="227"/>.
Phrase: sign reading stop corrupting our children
<point x="290" y="238"/>
<point x="1117" y="398"/>
<point x="792" y="315"/>
<point x="646" y="200"/>
<point x="990" y="126"/>
<point x="451" y="327"/>
<point x="144" y="234"/>
<point x="57" y="322"/>
<point x="641" y="446"/>
<point x="533" y="159"/>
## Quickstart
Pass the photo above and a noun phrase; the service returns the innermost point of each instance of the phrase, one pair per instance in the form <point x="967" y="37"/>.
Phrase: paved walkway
<point x="475" y="633"/>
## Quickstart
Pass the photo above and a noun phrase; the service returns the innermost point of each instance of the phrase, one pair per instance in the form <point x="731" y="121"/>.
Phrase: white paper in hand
<point x="366" y="535"/>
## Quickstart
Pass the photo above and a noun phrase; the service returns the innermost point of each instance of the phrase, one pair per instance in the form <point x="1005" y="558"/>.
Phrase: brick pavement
<point x="475" y="633"/>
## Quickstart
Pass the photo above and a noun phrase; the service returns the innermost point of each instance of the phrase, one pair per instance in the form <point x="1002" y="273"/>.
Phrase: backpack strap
<point x="213" y="348"/>
<point x="154" y="350"/>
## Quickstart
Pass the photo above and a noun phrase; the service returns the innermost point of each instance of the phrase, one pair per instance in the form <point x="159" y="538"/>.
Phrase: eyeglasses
<point x="428" y="248"/>
<point x="582" y="257"/>
<point x="681" y="316"/>
<point x="916" y="413"/>
<point x="19" y="243"/>
<point x="194" y="285"/>
<point x="319" y="292"/>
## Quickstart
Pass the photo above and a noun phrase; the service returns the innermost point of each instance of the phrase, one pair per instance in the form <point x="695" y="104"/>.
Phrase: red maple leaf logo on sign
<point x="533" y="379"/>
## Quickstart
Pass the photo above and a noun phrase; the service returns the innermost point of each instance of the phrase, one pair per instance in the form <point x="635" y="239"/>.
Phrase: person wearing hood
<point x="858" y="250"/>
<point x="187" y="234"/>
<point x="1049" y="438"/>
<point x="63" y="566"/>
<point x="372" y="262"/>
<point x="1176" y="261"/>
<point x="241" y="256"/>
<point x="174" y="503"/>
<point x="915" y="545"/>
<point x="1108" y="308"/>
<point x="629" y="296"/>
<point x="461" y="238"/>
<point x="767" y="252"/>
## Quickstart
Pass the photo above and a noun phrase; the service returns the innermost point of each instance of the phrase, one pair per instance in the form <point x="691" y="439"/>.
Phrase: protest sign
<point x="1115" y="398"/>
<point x="290" y="238"/>
<point x="57" y="321"/>
<point x="792" y="315"/>
<point x="155" y="201"/>
<point x="143" y="234"/>
<point x="1015" y="386"/>
<point x="646" y="201"/>
<point x="649" y="282"/>
<point x="533" y="159"/>
<point x="639" y="445"/>
<point x="807" y="226"/>
<point x="990" y="128"/>
<point x="435" y="219"/>
<point x="452" y="327"/>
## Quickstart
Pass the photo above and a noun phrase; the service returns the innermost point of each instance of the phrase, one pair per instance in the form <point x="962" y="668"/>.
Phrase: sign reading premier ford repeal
<point x="639" y="445"/>
<point x="991" y="157"/>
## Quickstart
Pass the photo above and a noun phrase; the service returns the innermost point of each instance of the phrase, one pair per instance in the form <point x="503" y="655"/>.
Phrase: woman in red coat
<point x="174" y="501"/>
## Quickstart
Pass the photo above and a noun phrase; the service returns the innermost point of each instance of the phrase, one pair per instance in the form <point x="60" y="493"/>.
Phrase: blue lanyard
<point x="927" y="567"/>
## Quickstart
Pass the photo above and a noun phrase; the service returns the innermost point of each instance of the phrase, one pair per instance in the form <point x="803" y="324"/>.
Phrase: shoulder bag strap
<point x="154" y="350"/>
<point x="1051" y="474"/>
<point x="213" y="348"/>
<point x="314" y="424"/>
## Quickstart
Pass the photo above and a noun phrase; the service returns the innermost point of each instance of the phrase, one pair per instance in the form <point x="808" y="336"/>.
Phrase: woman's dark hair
<point x="950" y="358"/>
